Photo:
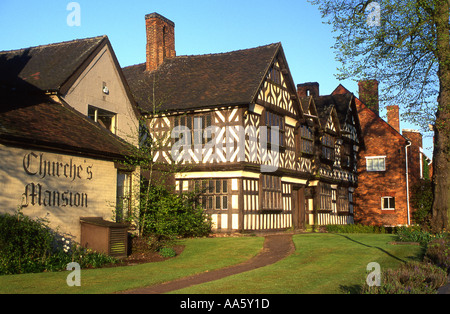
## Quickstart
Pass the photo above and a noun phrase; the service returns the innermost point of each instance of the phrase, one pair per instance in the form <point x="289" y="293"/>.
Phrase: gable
<point x="372" y="126"/>
<point x="277" y="91"/>
<point x="101" y="86"/>
<point x="47" y="67"/>
<point x="332" y="122"/>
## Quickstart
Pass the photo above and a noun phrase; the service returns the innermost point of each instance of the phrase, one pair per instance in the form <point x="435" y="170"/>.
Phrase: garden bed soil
<point x="148" y="256"/>
<point x="142" y="252"/>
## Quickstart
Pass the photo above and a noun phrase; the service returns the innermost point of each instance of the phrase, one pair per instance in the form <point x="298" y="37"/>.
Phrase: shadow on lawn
<point x="375" y="247"/>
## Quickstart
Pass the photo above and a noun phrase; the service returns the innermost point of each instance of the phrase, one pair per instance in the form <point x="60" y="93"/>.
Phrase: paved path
<point x="445" y="289"/>
<point x="276" y="247"/>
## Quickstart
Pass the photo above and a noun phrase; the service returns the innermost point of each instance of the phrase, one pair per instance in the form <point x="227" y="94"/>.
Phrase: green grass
<point x="198" y="256"/>
<point x="322" y="263"/>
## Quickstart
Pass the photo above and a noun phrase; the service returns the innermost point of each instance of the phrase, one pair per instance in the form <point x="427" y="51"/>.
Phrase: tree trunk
<point x="441" y="153"/>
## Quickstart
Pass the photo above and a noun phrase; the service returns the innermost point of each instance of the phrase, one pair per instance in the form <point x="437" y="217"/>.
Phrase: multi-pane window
<point x="123" y="195"/>
<point x="307" y="140"/>
<point x="388" y="203"/>
<point x="195" y="127"/>
<point x="272" y="192"/>
<point x="275" y="75"/>
<point x="325" y="197"/>
<point x="214" y="194"/>
<point x="342" y="199"/>
<point x="350" y="202"/>
<point x="180" y="134"/>
<point x="273" y="120"/>
<point x="328" y="147"/>
<point x="376" y="163"/>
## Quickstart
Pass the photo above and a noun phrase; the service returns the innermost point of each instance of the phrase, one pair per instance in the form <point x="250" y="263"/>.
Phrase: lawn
<point x="322" y="263"/>
<point x="198" y="256"/>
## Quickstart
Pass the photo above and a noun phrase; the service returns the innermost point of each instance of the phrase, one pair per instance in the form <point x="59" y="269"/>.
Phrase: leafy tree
<point x="405" y="45"/>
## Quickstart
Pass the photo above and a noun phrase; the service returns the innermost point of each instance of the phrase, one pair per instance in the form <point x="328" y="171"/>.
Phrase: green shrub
<point x="416" y="234"/>
<point x="166" y="215"/>
<point x="25" y="244"/>
<point x="438" y="253"/>
<point x="167" y="252"/>
<point x="355" y="228"/>
<point x="409" y="278"/>
<point x="29" y="246"/>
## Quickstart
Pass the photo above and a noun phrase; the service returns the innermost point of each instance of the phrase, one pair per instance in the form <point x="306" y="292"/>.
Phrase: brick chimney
<point x="393" y="117"/>
<point x="160" y="40"/>
<point x="308" y="89"/>
<point x="368" y="94"/>
<point x="414" y="136"/>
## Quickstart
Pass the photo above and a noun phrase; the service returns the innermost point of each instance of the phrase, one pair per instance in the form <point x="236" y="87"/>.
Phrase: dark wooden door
<point x="298" y="199"/>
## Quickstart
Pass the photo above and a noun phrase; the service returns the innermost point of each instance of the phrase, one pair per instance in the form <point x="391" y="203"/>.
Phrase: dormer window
<point x="307" y="140"/>
<point x="328" y="147"/>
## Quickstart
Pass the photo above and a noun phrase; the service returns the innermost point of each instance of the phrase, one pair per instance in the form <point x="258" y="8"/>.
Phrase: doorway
<point x="298" y="198"/>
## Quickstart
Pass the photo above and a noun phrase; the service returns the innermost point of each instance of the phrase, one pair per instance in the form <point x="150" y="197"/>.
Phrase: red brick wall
<point x="380" y="140"/>
<point x="308" y="89"/>
<point x="160" y="40"/>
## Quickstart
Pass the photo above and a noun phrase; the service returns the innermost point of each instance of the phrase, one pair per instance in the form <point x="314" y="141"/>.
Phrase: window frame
<point x="306" y="140"/>
<point x="195" y="132"/>
<point x="210" y="195"/>
<point x="326" y="197"/>
<point x="269" y="119"/>
<point x="272" y="193"/>
<point x="372" y="158"/>
<point x="391" y="199"/>
<point x="328" y="142"/>
<point x="95" y="117"/>
<point x="124" y="195"/>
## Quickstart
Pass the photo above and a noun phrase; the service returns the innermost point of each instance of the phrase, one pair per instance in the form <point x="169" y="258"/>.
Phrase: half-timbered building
<point x="332" y="137"/>
<point x="236" y="124"/>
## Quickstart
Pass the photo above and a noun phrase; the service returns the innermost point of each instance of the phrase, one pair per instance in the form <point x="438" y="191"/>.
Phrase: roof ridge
<point x="227" y="52"/>
<point x="208" y="54"/>
<point x="55" y="44"/>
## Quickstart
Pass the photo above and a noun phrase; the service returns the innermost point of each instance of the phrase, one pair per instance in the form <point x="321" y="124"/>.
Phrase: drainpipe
<point x="407" y="181"/>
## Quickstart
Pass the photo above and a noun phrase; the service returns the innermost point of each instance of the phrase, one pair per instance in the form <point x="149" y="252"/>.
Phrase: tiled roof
<point x="194" y="82"/>
<point x="47" y="67"/>
<point x="340" y="102"/>
<point x="39" y="121"/>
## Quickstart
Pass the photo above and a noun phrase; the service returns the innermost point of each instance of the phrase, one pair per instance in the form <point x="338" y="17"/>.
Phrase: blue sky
<point x="201" y="27"/>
